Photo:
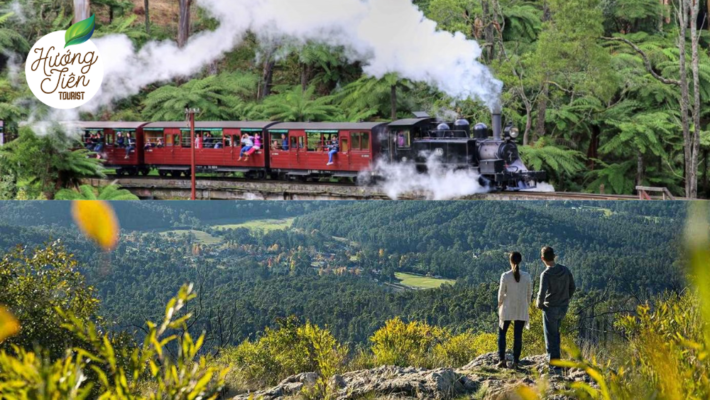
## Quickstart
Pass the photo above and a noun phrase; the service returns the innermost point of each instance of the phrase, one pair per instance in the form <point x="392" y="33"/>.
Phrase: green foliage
<point x="290" y="349"/>
<point x="295" y="104"/>
<point x="120" y="372"/>
<point x="11" y="40"/>
<point x="87" y="192"/>
<point x="49" y="161"/>
<point x="419" y="344"/>
<point x="559" y="161"/>
<point x="219" y="97"/>
<point x="36" y="283"/>
<point x="665" y="349"/>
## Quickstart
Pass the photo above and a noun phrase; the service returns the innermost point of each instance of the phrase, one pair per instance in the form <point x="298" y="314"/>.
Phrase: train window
<point x="294" y="143"/>
<point x="355" y="136"/>
<point x="344" y="145"/>
<point x="315" y="141"/>
<point x="152" y="137"/>
<point x="361" y="140"/>
<point x="110" y="139"/>
<point x="365" y="141"/>
<point x="300" y="142"/>
<point x="172" y="140"/>
<point x="280" y="141"/>
<point x="402" y="139"/>
<point x="186" y="140"/>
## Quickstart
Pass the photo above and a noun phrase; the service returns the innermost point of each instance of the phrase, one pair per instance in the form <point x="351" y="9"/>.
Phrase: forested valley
<point x="280" y="289"/>
<point x="594" y="85"/>
<point x="335" y="264"/>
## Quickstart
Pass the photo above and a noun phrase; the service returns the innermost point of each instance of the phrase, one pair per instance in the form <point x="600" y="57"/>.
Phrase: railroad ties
<point x="154" y="188"/>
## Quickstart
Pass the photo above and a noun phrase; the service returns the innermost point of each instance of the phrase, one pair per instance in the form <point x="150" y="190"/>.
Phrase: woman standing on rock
<point x="514" y="296"/>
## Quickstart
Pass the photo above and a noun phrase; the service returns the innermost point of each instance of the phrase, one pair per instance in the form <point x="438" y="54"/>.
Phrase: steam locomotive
<point x="493" y="153"/>
<point x="299" y="151"/>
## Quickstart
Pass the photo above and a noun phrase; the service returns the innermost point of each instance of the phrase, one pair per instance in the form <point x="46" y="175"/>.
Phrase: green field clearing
<point x="202" y="237"/>
<point x="421" y="282"/>
<point x="266" y="225"/>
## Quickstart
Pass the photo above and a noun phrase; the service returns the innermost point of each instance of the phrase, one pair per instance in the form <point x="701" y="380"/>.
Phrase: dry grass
<point x="162" y="12"/>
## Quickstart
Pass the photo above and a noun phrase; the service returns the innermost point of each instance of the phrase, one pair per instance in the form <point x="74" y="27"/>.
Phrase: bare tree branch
<point x="646" y="61"/>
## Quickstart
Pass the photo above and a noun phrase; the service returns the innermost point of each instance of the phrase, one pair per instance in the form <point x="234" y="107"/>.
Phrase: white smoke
<point x="437" y="183"/>
<point x="386" y="36"/>
<point x="541" y="187"/>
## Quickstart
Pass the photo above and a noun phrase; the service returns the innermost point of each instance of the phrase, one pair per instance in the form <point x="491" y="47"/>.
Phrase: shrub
<point x="121" y="373"/>
<point x="290" y="349"/>
<point x="37" y="282"/>
<point x="459" y="350"/>
<point x="402" y="344"/>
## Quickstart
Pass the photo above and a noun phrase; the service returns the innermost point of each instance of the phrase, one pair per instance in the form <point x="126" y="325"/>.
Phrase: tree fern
<point x="558" y="162"/>
<point x="110" y="192"/>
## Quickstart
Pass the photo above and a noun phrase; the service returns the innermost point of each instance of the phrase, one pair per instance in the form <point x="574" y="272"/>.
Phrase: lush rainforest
<point x="593" y="85"/>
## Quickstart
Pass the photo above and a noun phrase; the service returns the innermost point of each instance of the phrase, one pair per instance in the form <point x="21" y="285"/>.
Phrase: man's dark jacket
<point x="556" y="287"/>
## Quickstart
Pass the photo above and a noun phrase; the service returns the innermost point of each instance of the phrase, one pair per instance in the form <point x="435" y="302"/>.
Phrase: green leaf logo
<point x="79" y="32"/>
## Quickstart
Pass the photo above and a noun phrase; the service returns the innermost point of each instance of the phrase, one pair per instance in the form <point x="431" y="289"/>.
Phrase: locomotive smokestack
<point x="497" y="126"/>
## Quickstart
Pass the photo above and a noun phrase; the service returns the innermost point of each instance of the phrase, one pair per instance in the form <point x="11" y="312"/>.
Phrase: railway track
<point x="219" y="188"/>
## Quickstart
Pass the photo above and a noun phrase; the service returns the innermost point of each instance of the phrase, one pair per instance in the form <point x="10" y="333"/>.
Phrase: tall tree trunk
<point x="305" y="75"/>
<point x="110" y="14"/>
<point x="267" y="76"/>
<point x="146" y="5"/>
<point x="184" y="23"/>
<point x="488" y="33"/>
<point x="393" y="102"/>
<point x="542" y="111"/>
<point x="528" y="122"/>
<point x="81" y="10"/>
<point x="684" y="95"/>
<point x="542" y="101"/>
<point x="592" y="151"/>
<point x="640" y="169"/>
<point x="705" y="179"/>
<point x="695" y="62"/>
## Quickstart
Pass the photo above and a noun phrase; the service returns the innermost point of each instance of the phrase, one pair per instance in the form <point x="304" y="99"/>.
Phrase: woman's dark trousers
<point x="517" y="339"/>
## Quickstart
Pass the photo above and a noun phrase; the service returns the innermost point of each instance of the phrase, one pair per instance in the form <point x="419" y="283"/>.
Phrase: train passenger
<point x="198" y="141"/>
<point x="120" y="141"/>
<point x="333" y="147"/>
<point x="160" y="144"/>
<point x="208" y="141"/>
<point x="401" y="140"/>
<point x="257" y="146"/>
<point x="247" y="144"/>
<point x="274" y="144"/>
<point x="284" y="141"/>
<point x="87" y="140"/>
<point x="98" y="143"/>
<point x="131" y="145"/>
<point x="217" y="145"/>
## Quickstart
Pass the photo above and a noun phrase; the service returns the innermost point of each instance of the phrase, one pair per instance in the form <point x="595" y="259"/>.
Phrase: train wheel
<point x="145" y="171"/>
<point x="187" y="173"/>
<point x="162" y="173"/>
<point x="175" y="174"/>
<point x="133" y="172"/>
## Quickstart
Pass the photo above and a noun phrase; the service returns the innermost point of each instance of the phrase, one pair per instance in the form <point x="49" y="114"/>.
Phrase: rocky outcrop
<point x="479" y="379"/>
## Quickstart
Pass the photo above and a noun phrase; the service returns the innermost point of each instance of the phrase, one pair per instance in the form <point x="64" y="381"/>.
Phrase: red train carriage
<point x="301" y="149"/>
<point x="120" y="144"/>
<point x="218" y="147"/>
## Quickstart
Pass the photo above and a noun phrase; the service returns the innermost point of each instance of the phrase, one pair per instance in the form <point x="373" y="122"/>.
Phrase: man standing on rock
<point x="556" y="289"/>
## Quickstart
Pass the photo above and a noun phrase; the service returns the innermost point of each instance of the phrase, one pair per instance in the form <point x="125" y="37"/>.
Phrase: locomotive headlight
<point x="514" y="132"/>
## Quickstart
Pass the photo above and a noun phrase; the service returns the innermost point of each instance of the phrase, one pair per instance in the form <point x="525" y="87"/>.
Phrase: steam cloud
<point x="385" y="35"/>
<point x="438" y="183"/>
